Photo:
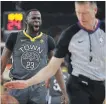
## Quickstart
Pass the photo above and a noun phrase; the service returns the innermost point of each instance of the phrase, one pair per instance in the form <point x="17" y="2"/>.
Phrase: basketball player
<point x="30" y="49"/>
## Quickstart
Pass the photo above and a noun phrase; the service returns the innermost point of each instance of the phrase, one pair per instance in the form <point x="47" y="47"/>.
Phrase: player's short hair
<point x="27" y="13"/>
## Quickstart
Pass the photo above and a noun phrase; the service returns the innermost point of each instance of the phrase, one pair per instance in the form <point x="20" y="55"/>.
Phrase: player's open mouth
<point x="36" y="26"/>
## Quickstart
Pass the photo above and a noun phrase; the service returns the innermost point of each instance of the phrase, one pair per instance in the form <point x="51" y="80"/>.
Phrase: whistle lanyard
<point x="90" y="49"/>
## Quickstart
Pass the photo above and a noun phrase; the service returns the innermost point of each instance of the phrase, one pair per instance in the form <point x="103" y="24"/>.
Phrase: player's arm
<point x="58" y="75"/>
<point x="60" y="80"/>
<point x="51" y="46"/>
<point x="4" y="58"/>
<point x="7" y="51"/>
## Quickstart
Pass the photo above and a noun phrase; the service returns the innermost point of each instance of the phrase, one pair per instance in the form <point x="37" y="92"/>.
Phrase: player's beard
<point x="34" y="28"/>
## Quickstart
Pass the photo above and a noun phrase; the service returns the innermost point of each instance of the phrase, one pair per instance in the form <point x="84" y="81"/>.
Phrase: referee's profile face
<point x="86" y="13"/>
<point x="34" y="20"/>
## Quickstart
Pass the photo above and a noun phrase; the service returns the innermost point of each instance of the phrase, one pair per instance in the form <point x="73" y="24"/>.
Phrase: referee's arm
<point x="49" y="71"/>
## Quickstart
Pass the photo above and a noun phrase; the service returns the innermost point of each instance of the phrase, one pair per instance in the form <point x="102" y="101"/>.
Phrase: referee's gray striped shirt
<point x="87" y="48"/>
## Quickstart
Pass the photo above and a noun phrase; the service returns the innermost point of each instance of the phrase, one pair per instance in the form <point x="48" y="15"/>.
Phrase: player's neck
<point x="31" y="32"/>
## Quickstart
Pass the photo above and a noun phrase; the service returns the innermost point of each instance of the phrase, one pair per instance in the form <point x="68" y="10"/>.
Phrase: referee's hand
<point x="17" y="84"/>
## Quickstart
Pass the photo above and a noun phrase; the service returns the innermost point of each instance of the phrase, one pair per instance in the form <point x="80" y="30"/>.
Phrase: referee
<point x="86" y="41"/>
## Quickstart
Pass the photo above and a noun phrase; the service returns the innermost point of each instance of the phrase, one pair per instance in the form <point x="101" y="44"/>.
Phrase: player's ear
<point x="25" y="20"/>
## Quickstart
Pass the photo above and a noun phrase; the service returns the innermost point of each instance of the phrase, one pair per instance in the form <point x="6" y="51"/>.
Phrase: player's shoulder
<point x="44" y="35"/>
<point x="49" y="38"/>
<point x="14" y="34"/>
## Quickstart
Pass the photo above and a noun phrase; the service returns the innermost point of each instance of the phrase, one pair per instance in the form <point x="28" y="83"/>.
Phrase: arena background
<point x="54" y="13"/>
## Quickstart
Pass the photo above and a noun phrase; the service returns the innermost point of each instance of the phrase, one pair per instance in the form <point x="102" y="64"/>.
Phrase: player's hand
<point x="64" y="99"/>
<point x="18" y="84"/>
